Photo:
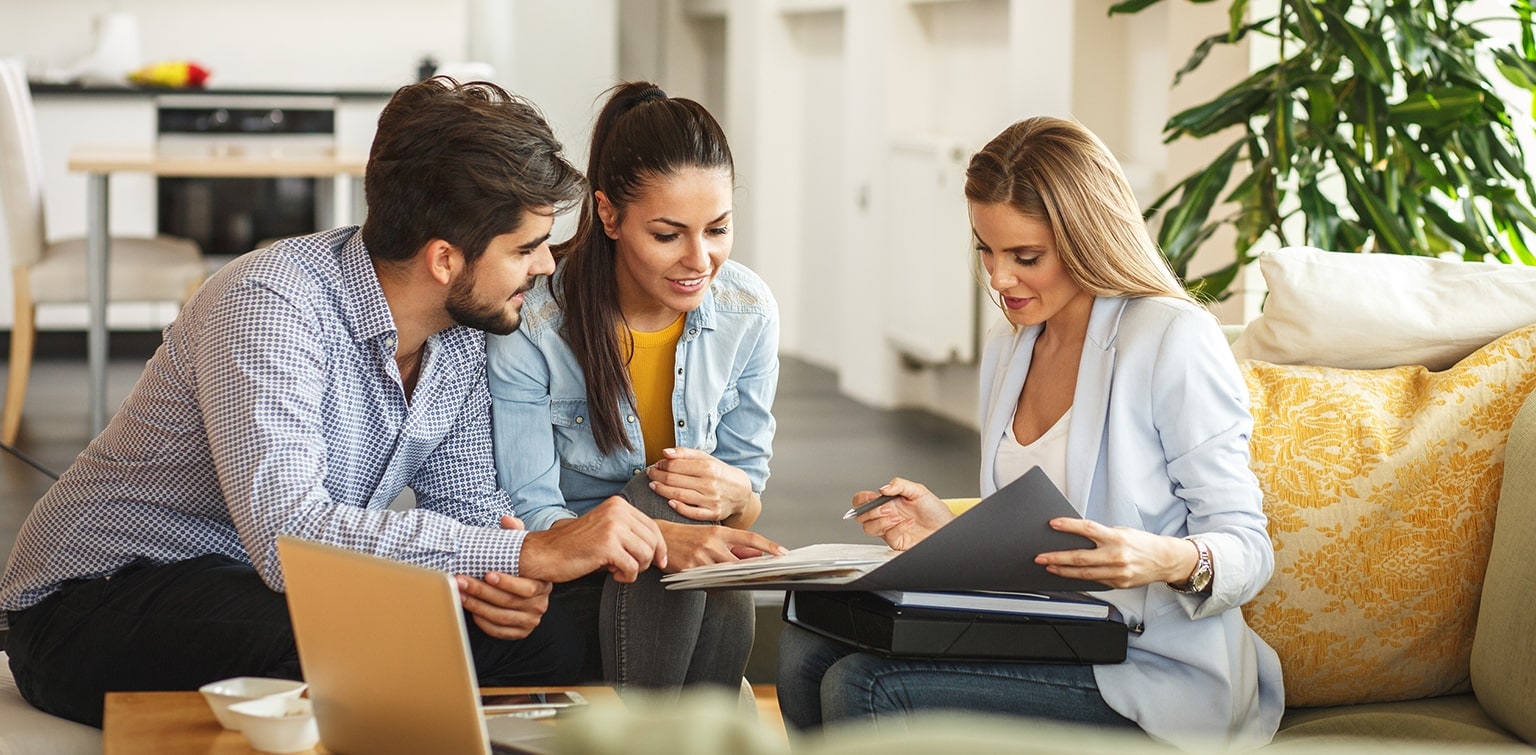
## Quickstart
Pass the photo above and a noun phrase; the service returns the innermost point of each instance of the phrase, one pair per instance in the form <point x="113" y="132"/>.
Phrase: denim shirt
<point x="727" y="371"/>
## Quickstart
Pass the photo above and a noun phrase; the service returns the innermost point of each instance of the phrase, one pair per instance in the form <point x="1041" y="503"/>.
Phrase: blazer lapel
<point x="1090" y="402"/>
<point x="1007" y="383"/>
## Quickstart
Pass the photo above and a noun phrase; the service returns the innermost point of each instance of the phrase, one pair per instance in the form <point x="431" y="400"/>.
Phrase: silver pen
<point x="865" y="508"/>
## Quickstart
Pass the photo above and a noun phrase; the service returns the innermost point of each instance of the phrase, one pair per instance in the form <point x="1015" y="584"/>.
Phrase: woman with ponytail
<point x="646" y="366"/>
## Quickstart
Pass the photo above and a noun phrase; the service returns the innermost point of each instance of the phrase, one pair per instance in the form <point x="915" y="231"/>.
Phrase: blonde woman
<point x="1121" y="388"/>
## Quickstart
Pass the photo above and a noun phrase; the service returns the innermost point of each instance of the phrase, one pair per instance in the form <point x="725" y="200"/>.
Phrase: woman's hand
<point x="913" y="515"/>
<point x="700" y="544"/>
<point x="703" y="488"/>
<point x="1125" y="556"/>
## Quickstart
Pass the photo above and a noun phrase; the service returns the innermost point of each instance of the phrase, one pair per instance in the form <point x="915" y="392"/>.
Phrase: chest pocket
<point x="574" y="442"/>
<point x="728" y="401"/>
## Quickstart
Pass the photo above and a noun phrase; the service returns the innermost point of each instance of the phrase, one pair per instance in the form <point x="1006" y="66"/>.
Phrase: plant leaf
<point x="1132" y="6"/>
<point x="1380" y="218"/>
<point x="1370" y="57"/>
<point x="1203" y="49"/>
<point x="1182" y="225"/>
<point x="1437" y="107"/>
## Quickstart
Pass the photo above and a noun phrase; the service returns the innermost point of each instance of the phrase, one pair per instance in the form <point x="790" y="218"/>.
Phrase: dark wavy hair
<point x="462" y="163"/>
<point x="641" y="136"/>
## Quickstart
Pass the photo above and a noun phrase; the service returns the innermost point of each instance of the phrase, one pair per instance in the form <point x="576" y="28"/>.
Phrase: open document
<point x="990" y="547"/>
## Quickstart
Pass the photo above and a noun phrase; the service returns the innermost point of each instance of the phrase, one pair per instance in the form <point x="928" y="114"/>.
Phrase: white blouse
<point x="1049" y="452"/>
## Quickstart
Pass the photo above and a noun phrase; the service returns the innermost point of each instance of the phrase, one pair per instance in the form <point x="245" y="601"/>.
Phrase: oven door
<point x="231" y="216"/>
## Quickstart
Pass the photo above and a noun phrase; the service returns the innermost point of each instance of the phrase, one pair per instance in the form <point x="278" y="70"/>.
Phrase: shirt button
<point x="693" y="331"/>
<point x="630" y="418"/>
<point x="579" y="420"/>
<point x="681" y="423"/>
<point x="637" y="471"/>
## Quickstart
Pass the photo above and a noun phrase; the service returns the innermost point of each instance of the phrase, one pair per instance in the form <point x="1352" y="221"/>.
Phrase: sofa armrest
<point x="1503" y="656"/>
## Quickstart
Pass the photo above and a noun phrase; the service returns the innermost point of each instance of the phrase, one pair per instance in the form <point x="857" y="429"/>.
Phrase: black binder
<point x="872" y="623"/>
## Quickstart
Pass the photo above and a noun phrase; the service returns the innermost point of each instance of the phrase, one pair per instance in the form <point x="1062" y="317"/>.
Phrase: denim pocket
<point x="574" y="443"/>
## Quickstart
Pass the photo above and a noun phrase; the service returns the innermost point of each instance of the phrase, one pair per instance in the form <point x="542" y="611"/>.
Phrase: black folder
<point x="877" y="625"/>
<point x="990" y="547"/>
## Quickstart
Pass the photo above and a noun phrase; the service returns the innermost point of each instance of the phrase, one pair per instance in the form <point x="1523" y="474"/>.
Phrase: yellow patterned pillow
<point x="1381" y="488"/>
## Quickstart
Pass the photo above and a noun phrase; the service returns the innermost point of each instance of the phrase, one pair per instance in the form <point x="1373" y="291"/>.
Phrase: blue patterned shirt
<point x="274" y="406"/>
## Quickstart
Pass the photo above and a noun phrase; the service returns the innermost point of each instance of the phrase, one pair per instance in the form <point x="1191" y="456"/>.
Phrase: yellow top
<point x="650" y="374"/>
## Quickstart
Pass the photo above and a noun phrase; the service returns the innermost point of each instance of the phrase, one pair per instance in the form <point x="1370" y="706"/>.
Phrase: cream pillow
<point x="1369" y="311"/>
<point x="1381" y="488"/>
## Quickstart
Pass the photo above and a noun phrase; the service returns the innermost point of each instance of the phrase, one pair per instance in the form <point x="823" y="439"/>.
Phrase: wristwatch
<point x="1200" y="579"/>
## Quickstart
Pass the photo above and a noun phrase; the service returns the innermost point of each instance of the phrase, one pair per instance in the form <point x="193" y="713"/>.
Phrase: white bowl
<point x="277" y="724"/>
<point x="226" y="692"/>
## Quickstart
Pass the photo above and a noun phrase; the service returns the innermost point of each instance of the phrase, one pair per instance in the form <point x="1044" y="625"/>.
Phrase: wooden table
<point x="180" y="722"/>
<point x="100" y="162"/>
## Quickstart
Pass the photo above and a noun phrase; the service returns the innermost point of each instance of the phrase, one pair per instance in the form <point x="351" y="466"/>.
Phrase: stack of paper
<point x="827" y="563"/>
<point x="991" y="547"/>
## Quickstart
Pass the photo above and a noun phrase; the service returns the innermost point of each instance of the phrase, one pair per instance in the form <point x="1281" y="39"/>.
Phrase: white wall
<point x="341" y="44"/>
<point x="815" y="93"/>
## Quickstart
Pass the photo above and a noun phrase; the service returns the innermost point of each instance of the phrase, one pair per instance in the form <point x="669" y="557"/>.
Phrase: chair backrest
<point x="21" y="167"/>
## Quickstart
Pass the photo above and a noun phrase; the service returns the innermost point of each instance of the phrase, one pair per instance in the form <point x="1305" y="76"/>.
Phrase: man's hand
<point x="615" y="536"/>
<point x="705" y="489"/>
<point x="504" y="606"/>
<point x="692" y="545"/>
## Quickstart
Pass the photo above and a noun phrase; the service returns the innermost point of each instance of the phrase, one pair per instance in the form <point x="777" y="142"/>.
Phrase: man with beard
<point x="299" y="392"/>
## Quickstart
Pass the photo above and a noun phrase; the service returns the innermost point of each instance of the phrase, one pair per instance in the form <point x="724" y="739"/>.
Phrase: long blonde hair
<point x="1058" y="172"/>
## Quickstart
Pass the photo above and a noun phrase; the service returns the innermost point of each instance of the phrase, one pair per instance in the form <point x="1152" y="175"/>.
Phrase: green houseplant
<point x="1391" y="101"/>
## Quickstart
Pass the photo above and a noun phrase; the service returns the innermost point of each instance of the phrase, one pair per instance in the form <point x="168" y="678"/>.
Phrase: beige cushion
<point x="1504" y="653"/>
<point x="1381" y="488"/>
<point x="1457" y="718"/>
<point x="1369" y="311"/>
<point x="142" y="269"/>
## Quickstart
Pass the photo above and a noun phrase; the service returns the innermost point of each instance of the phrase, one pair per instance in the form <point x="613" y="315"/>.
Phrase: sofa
<point x="1395" y="439"/>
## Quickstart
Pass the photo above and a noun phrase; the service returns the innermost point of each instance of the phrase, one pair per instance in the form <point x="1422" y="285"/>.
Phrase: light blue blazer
<point x="1158" y="440"/>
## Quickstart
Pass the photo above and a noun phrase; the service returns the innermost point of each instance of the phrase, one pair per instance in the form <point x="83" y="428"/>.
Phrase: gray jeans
<point x="655" y="639"/>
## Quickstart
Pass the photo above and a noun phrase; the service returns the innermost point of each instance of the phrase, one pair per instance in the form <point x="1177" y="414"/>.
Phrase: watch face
<point x="1202" y="577"/>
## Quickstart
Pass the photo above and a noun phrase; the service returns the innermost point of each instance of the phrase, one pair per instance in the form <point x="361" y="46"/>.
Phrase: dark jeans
<point x="822" y="681"/>
<point x="643" y="636"/>
<point x="181" y="625"/>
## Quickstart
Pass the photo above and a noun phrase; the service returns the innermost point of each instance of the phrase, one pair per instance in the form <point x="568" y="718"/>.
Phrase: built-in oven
<point x="231" y="216"/>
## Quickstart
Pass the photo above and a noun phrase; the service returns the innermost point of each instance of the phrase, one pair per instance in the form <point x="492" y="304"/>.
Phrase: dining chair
<point x="158" y="269"/>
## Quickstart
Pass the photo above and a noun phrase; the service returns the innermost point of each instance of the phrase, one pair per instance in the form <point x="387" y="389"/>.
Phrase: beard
<point x="490" y="317"/>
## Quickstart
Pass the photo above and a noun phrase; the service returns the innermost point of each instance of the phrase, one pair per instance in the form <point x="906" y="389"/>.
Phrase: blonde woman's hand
<point x="915" y="513"/>
<point x="1125" y="556"/>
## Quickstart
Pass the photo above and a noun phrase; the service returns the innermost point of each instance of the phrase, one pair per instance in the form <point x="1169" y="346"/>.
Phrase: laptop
<point x="383" y="648"/>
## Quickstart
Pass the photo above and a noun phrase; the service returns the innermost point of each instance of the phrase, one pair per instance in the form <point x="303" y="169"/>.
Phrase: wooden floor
<point x="767" y="697"/>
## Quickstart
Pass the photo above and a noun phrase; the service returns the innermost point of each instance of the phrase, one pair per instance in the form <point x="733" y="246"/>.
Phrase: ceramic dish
<point x="226" y="692"/>
<point x="277" y="724"/>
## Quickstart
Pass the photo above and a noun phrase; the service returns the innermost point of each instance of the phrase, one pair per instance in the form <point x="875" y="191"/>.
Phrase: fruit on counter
<point x="175" y="74"/>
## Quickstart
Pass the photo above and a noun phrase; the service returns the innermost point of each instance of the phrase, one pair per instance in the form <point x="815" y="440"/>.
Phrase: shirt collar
<point x="368" y="312"/>
<point x="704" y="316"/>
